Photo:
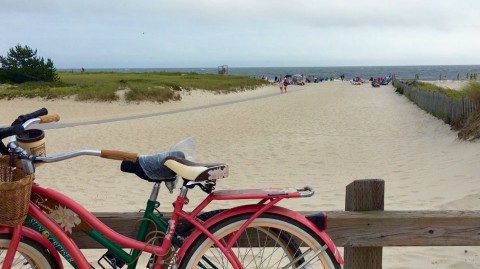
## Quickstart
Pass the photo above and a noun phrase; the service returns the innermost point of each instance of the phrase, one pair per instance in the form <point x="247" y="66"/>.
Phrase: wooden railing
<point x="363" y="229"/>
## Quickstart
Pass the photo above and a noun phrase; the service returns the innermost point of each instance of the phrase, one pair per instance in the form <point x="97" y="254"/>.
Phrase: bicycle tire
<point x="29" y="253"/>
<point x="186" y="228"/>
<point x="271" y="225"/>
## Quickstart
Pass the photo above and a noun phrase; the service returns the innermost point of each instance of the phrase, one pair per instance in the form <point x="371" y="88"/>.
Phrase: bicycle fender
<point x="35" y="236"/>
<point x="255" y="208"/>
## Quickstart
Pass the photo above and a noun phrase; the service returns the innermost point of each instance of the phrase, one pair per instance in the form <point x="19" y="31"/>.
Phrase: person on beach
<point x="285" y="84"/>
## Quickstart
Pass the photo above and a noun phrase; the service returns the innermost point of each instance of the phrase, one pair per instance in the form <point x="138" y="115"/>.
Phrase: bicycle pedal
<point x="112" y="260"/>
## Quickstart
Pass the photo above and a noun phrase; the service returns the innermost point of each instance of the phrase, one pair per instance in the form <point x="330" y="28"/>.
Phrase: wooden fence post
<point x="364" y="195"/>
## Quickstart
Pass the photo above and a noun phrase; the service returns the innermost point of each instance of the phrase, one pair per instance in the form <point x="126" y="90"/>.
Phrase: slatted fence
<point x="451" y="110"/>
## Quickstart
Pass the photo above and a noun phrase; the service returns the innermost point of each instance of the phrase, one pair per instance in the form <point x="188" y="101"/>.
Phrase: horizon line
<point x="332" y="66"/>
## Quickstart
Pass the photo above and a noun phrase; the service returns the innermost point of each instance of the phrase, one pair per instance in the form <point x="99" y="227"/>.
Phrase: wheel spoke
<point x="313" y="257"/>
<point x="272" y="242"/>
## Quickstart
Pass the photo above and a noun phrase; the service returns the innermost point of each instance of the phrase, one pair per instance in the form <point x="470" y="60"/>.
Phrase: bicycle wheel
<point x="30" y="254"/>
<point x="270" y="241"/>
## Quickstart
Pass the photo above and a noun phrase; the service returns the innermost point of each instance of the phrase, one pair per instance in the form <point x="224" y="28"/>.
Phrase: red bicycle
<point x="259" y="234"/>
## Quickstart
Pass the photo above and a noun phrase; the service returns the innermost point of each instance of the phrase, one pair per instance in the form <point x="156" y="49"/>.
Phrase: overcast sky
<point x="243" y="33"/>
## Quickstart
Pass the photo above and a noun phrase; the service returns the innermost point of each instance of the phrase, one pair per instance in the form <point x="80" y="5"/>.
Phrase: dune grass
<point x="472" y="90"/>
<point x="154" y="86"/>
<point x="428" y="87"/>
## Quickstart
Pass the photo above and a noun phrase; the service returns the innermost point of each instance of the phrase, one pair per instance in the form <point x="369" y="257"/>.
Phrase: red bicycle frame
<point x="268" y="198"/>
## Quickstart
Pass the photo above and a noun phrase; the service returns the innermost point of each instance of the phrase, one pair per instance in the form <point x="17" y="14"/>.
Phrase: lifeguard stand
<point x="223" y="69"/>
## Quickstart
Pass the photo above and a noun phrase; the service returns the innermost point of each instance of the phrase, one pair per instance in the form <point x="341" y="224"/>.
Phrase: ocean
<point x="425" y="72"/>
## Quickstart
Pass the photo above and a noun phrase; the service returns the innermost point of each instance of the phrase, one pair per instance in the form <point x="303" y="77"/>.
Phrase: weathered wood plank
<point x="362" y="229"/>
<point x="405" y="228"/>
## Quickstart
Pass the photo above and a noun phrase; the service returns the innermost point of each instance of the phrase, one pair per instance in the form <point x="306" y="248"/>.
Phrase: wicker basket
<point x="15" y="189"/>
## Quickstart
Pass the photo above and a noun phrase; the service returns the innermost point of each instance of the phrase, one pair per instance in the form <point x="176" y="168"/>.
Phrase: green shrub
<point x="398" y="87"/>
<point x="22" y="65"/>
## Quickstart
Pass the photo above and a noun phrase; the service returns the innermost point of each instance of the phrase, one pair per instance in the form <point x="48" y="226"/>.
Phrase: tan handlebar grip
<point x="118" y="155"/>
<point x="49" y="118"/>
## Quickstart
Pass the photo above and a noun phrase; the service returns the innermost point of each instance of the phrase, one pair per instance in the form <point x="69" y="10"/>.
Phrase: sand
<point x="324" y="135"/>
<point x="451" y="84"/>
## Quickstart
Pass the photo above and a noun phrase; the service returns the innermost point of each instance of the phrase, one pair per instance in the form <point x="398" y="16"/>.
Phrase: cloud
<point x="159" y="33"/>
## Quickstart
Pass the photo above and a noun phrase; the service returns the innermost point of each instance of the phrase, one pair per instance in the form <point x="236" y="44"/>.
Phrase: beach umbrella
<point x="297" y="77"/>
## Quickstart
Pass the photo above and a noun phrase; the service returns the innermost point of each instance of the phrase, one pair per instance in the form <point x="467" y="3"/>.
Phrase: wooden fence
<point x="452" y="111"/>
<point x="363" y="229"/>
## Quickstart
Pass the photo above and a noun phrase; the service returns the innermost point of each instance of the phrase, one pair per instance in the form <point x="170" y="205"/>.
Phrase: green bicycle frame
<point x="148" y="217"/>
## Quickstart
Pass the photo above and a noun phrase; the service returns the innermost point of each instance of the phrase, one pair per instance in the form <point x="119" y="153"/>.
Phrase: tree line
<point x="21" y="64"/>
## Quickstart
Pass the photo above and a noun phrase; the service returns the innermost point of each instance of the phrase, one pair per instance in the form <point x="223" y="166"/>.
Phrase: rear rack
<point x="265" y="193"/>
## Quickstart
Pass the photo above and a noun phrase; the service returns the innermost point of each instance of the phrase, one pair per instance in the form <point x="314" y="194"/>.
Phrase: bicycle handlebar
<point x="12" y="130"/>
<point x="18" y="128"/>
<point x="118" y="155"/>
<point x="24" y="118"/>
<point x="23" y="121"/>
<point x="40" y="116"/>
<point x="49" y="118"/>
<point x="6" y="132"/>
<point x="104" y="153"/>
